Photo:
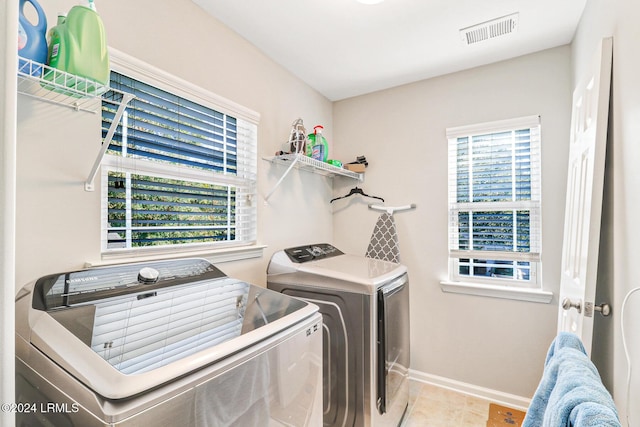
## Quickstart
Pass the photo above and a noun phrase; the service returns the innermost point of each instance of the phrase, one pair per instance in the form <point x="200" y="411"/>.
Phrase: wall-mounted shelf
<point x="59" y="87"/>
<point x="300" y="161"/>
<point x="75" y="92"/>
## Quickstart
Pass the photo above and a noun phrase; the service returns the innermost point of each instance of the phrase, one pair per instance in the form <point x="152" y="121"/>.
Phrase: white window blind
<point x="495" y="201"/>
<point x="178" y="172"/>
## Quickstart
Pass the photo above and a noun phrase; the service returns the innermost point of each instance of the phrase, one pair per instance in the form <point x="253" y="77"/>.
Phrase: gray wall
<point x="492" y="343"/>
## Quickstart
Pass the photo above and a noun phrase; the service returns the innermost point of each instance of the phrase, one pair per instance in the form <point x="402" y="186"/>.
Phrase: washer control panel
<point x="83" y="286"/>
<point x="315" y="252"/>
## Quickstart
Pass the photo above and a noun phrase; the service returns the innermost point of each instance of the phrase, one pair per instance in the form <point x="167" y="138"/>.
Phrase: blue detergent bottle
<point x="32" y="39"/>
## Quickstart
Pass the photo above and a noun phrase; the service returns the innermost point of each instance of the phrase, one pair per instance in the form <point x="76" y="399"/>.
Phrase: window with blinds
<point x="495" y="202"/>
<point x="177" y="172"/>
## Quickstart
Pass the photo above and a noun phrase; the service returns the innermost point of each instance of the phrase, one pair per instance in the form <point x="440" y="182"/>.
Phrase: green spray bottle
<point x="318" y="147"/>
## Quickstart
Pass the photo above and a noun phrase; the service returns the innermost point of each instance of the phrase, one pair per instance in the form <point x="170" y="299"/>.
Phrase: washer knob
<point x="148" y="275"/>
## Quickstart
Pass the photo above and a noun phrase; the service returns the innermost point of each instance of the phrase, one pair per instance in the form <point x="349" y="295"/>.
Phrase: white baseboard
<point x="501" y="398"/>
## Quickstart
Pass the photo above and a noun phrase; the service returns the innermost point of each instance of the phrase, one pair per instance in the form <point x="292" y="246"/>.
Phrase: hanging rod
<point x="391" y="210"/>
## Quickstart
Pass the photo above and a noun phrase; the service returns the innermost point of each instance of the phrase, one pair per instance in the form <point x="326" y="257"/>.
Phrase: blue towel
<point x="570" y="392"/>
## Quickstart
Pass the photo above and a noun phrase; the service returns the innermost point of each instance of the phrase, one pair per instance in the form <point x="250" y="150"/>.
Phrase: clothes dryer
<point x="365" y="307"/>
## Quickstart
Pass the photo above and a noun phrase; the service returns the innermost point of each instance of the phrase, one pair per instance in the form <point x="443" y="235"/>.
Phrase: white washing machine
<point x="365" y="307"/>
<point x="167" y="343"/>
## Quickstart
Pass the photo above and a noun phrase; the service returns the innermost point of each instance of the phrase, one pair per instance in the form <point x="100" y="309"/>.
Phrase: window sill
<point x="215" y="256"/>
<point x="519" y="294"/>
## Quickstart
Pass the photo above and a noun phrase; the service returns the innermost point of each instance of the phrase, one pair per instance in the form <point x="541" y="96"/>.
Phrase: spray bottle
<point x="319" y="144"/>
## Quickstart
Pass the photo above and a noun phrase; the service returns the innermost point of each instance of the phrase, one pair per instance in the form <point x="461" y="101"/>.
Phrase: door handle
<point x="567" y="304"/>
<point x="604" y="309"/>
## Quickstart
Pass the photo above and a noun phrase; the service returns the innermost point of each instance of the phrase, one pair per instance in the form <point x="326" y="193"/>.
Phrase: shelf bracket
<point x="291" y="166"/>
<point x="307" y="163"/>
<point x="126" y="98"/>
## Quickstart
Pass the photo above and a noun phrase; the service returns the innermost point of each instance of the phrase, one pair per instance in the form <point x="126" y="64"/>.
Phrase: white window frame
<point x="215" y="251"/>
<point x="530" y="290"/>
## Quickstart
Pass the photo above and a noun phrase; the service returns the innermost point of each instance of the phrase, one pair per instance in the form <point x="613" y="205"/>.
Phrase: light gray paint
<point x="492" y="343"/>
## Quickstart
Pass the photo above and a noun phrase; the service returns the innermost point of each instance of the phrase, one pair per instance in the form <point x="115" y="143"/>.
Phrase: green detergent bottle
<point x="318" y="147"/>
<point x="78" y="46"/>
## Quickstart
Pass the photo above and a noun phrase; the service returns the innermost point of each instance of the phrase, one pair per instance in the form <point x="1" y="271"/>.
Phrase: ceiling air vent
<point x="490" y="29"/>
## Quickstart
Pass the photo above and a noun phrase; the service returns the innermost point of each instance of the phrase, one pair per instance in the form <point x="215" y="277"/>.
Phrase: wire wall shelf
<point x="51" y="85"/>
<point x="300" y="161"/>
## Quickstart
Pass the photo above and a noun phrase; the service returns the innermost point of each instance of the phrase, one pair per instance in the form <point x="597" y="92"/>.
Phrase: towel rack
<point x="391" y="210"/>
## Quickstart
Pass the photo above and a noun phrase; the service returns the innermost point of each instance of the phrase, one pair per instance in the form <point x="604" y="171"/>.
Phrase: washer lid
<point x="121" y="337"/>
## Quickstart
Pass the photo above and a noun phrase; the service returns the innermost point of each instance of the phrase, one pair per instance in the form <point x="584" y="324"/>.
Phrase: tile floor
<point x="431" y="406"/>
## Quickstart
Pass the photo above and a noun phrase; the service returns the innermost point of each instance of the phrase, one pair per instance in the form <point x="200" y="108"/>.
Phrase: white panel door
<point x="583" y="209"/>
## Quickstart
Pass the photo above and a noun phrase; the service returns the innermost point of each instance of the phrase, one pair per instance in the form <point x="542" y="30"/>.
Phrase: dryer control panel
<point x="315" y="252"/>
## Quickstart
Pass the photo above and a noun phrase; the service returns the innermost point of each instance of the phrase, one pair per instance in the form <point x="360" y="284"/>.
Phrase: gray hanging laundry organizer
<point x="384" y="240"/>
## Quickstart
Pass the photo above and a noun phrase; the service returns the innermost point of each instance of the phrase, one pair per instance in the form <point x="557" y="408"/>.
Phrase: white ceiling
<point x="343" y="48"/>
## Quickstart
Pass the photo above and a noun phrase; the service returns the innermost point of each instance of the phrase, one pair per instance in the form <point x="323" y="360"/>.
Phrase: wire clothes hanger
<point x="356" y="190"/>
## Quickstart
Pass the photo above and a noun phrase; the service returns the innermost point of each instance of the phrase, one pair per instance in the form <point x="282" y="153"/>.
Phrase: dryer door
<point x="393" y="342"/>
